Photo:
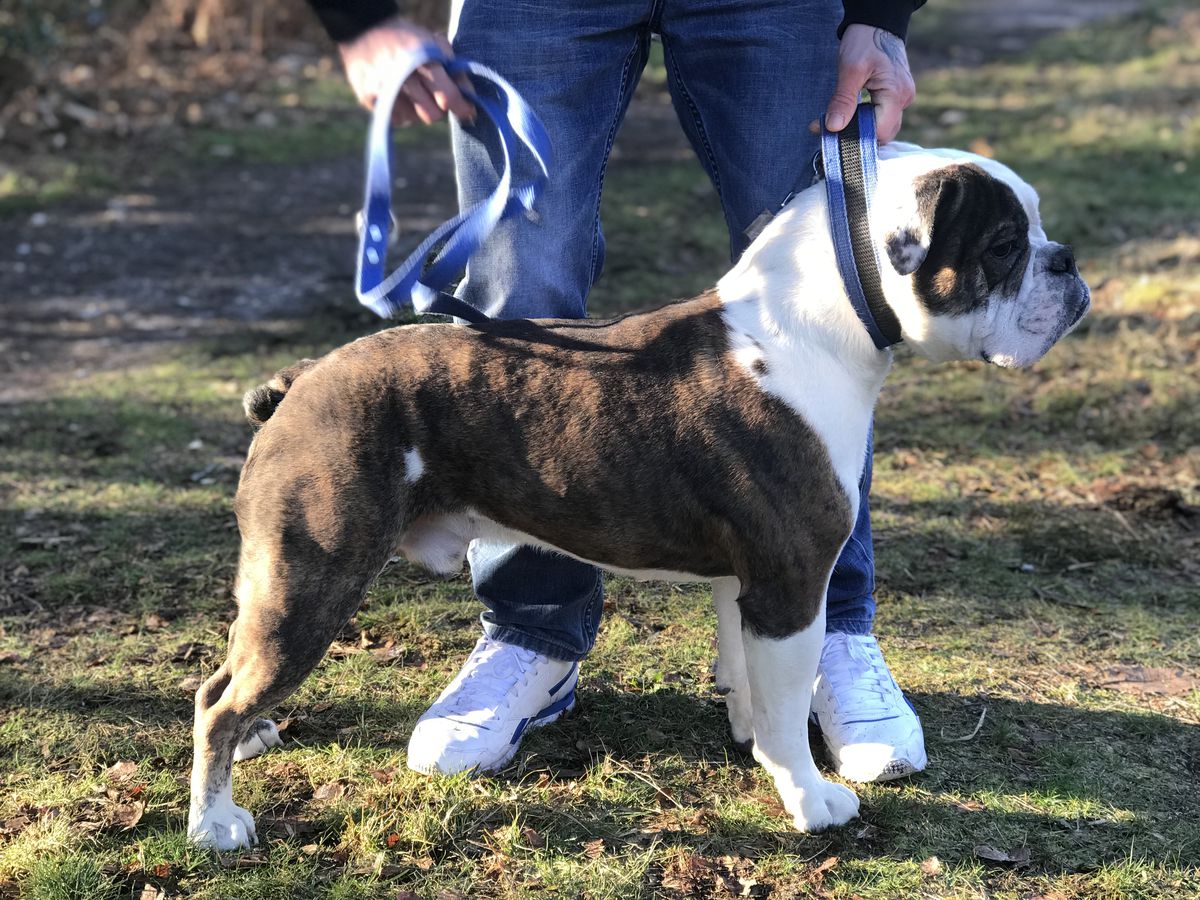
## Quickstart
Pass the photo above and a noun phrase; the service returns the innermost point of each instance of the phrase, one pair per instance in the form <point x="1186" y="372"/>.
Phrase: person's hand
<point x="874" y="59"/>
<point x="427" y="95"/>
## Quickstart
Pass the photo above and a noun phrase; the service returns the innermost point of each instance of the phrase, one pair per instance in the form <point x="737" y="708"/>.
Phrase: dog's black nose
<point x="1062" y="261"/>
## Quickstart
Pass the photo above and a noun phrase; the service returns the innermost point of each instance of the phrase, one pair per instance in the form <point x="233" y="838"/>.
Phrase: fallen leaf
<point x="968" y="806"/>
<point x="690" y="874"/>
<point x="818" y="874"/>
<point x="408" y="895"/>
<point x="150" y="892"/>
<point x="532" y="838"/>
<point x="335" y="790"/>
<point x="289" y="826"/>
<point x="866" y="833"/>
<point x="931" y="866"/>
<point x="154" y="622"/>
<point x="594" y="849"/>
<point x="252" y="860"/>
<point x="392" y="840"/>
<point x="121" y="771"/>
<point x="981" y="147"/>
<point x="162" y="870"/>
<point x="1018" y="857"/>
<point x="127" y="815"/>
<point x="15" y="825"/>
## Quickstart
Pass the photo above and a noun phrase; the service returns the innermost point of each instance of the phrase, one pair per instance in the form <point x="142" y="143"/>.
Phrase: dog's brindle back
<point x="632" y="421"/>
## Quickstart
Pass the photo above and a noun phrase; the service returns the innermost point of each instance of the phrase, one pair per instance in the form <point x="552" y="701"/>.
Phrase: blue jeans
<point x="746" y="78"/>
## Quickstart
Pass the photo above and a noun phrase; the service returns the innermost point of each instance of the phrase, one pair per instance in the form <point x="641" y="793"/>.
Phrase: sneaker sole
<point x="548" y="716"/>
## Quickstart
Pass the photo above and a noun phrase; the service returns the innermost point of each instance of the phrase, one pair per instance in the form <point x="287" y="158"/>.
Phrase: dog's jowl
<point x="717" y="439"/>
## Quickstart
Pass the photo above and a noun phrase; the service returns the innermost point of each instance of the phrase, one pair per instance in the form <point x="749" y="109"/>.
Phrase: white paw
<point x="821" y="804"/>
<point x="223" y="827"/>
<point x="261" y="738"/>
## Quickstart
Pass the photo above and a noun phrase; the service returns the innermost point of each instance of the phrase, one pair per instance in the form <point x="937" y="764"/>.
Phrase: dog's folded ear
<point x="260" y="402"/>
<point x="907" y="248"/>
<point x="909" y="227"/>
<point x="947" y="195"/>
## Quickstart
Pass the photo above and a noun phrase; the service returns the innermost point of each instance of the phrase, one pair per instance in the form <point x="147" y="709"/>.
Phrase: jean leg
<point x="850" y="601"/>
<point x="747" y="78"/>
<point x="576" y="63"/>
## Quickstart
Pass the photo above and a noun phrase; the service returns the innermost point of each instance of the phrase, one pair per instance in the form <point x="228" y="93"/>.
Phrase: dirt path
<point x="99" y="286"/>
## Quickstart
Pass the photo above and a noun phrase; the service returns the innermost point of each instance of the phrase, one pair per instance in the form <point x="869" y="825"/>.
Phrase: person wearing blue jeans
<point x="747" y="80"/>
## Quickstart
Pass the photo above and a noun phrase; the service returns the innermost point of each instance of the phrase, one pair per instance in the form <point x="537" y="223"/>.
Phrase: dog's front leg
<point x="781" y="672"/>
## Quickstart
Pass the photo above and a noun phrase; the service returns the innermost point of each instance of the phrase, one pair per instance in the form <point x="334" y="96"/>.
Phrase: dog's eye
<point x="1002" y="251"/>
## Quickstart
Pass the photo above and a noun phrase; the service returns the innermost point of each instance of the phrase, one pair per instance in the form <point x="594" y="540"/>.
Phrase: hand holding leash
<point x="428" y="95"/>
<point x="412" y="285"/>
<point x="874" y="59"/>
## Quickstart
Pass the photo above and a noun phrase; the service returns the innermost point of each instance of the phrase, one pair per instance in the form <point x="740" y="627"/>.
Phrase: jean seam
<point x="698" y="121"/>
<point x="618" y="114"/>
<point x="591" y="620"/>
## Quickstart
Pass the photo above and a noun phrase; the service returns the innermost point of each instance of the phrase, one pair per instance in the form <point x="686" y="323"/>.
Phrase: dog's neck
<point x="784" y="300"/>
<point x="787" y="284"/>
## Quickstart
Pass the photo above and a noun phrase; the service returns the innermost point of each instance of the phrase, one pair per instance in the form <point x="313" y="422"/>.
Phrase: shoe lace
<point x="490" y="676"/>
<point x="859" y="678"/>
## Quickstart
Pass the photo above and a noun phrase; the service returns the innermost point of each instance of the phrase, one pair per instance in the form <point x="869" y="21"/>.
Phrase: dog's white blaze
<point x="414" y="466"/>
<point x="784" y="299"/>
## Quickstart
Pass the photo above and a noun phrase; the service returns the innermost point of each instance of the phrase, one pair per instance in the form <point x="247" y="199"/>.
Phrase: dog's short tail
<point x="260" y="402"/>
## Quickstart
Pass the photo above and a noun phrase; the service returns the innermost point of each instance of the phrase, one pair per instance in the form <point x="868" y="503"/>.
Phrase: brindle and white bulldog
<point x="716" y="439"/>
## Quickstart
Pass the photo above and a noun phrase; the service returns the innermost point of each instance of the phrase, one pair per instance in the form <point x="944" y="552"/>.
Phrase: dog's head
<point x="967" y="268"/>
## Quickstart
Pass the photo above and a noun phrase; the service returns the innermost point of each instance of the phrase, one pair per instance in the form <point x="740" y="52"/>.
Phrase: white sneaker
<point x="500" y="693"/>
<point x="870" y="730"/>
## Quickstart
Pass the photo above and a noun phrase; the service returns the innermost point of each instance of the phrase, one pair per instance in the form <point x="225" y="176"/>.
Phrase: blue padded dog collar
<point x="413" y="285"/>
<point x="850" y="158"/>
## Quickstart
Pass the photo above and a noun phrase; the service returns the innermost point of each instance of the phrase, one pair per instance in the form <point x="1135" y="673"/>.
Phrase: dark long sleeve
<point x="890" y="15"/>
<point x="344" y="20"/>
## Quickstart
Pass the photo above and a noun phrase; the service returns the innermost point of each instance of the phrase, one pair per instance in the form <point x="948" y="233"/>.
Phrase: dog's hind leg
<point x="289" y="612"/>
<point x="262" y="735"/>
<point x="731" y="663"/>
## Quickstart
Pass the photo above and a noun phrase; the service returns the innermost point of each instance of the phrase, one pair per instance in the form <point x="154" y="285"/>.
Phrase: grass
<point x="1034" y="530"/>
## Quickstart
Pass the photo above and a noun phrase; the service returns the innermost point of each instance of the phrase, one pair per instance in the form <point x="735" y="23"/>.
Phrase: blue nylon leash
<point x="412" y="286"/>
<point x="851" y="158"/>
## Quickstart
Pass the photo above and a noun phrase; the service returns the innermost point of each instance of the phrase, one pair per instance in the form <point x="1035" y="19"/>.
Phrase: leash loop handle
<point x="412" y="285"/>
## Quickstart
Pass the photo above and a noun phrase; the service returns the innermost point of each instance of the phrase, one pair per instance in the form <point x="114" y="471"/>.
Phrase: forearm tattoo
<point x="892" y="47"/>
